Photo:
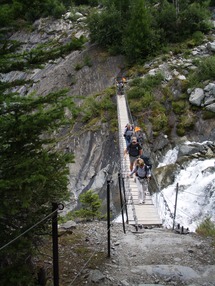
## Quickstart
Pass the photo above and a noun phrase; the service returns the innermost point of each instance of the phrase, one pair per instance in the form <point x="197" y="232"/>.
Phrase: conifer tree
<point x="33" y="175"/>
<point x="139" y="37"/>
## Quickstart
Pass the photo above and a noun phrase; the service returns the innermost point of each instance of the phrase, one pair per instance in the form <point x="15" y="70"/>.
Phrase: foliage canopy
<point x="139" y="29"/>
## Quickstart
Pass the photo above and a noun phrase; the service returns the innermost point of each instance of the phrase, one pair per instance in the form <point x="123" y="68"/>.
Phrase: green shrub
<point x="167" y="93"/>
<point x="87" y="61"/>
<point x="135" y="92"/>
<point x="179" y="107"/>
<point x="186" y="123"/>
<point x="159" y="121"/>
<point x="135" y="106"/>
<point x="205" y="71"/>
<point x="198" y="37"/>
<point x="90" y="206"/>
<point x="78" y="66"/>
<point x="147" y="100"/>
<point x="207" y="228"/>
<point x="207" y="114"/>
<point x="136" y="82"/>
<point x="151" y="81"/>
<point x="180" y="131"/>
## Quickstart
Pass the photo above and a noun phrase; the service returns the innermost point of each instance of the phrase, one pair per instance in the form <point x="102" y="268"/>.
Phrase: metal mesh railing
<point x="121" y="104"/>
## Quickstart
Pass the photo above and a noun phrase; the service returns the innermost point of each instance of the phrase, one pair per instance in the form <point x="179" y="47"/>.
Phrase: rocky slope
<point x="147" y="257"/>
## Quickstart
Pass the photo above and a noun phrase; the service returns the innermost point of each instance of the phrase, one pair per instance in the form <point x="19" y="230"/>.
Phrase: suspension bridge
<point x="146" y="214"/>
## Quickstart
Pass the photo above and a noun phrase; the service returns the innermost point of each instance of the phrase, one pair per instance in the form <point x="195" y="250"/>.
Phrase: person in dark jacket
<point x="134" y="150"/>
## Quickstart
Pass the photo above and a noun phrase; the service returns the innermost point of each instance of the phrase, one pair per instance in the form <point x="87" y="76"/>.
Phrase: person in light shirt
<point x="143" y="175"/>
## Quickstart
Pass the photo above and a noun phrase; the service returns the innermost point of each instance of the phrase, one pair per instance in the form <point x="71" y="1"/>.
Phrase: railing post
<point x="55" y="207"/>
<point x="176" y="198"/>
<point x="108" y="215"/>
<point x="125" y="201"/>
<point x="55" y="245"/>
<point x="120" y="193"/>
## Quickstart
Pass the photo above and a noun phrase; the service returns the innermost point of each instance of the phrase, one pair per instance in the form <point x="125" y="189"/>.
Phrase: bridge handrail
<point x="124" y="169"/>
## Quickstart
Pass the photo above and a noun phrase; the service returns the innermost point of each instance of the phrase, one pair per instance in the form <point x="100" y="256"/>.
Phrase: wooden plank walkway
<point x="138" y="214"/>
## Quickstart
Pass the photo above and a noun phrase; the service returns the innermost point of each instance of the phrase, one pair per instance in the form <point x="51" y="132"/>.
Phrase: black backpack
<point x="147" y="161"/>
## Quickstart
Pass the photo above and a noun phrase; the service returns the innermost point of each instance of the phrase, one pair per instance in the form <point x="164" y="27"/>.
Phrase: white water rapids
<point x="196" y="193"/>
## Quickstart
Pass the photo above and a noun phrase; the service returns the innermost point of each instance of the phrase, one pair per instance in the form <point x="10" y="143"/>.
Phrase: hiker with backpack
<point x="139" y="135"/>
<point x="120" y="87"/>
<point x="134" y="150"/>
<point x="143" y="175"/>
<point x="128" y="133"/>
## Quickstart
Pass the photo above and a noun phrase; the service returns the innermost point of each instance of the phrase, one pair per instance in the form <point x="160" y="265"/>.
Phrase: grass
<point x="207" y="229"/>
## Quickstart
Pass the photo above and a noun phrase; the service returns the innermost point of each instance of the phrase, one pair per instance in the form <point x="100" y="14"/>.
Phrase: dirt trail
<point x="151" y="256"/>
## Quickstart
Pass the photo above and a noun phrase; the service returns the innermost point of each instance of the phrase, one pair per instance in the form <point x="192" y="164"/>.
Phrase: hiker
<point x="124" y="80"/>
<point x="120" y="86"/>
<point x="134" y="150"/>
<point x="139" y="135"/>
<point x="128" y="133"/>
<point x="143" y="175"/>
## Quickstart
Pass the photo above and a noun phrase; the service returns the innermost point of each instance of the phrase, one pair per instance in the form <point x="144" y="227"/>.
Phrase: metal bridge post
<point x="55" y="245"/>
<point x="122" y="205"/>
<point x="108" y="215"/>
<point x="125" y="201"/>
<point x="176" y="198"/>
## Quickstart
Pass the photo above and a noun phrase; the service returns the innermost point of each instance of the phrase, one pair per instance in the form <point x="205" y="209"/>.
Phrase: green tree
<point x="140" y="39"/>
<point x="194" y="17"/>
<point x="33" y="174"/>
<point x="20" y="9"/>
<point x="90" y="205"/>
<point x="105" y="28"/>
<point x="166" y="21"/>
<point x="6" y="15"/>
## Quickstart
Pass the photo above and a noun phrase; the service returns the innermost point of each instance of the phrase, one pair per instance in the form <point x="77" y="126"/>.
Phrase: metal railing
<point x="123" y="166"/>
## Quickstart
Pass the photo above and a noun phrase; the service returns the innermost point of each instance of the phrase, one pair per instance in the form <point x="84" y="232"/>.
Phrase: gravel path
<point x="148" y="257"/>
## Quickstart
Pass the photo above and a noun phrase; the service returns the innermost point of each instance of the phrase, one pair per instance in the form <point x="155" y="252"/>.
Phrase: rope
<point x="36" y="224"/>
